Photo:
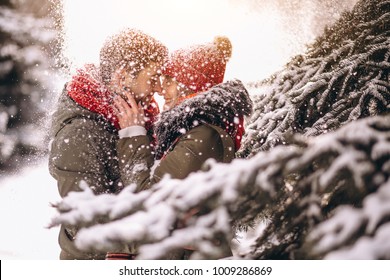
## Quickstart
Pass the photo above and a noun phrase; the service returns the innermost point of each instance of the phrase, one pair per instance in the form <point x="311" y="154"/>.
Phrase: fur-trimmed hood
<point x="222" y="105"/>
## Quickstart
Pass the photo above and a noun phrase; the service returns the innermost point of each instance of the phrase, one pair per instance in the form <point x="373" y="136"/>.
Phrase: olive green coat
<point x="188" y="155"/>
<point x="83" y="148"/>
<point x="188" y="135"/>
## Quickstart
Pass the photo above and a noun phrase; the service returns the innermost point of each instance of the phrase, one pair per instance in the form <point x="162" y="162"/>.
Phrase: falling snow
<point x="315" y="155"/>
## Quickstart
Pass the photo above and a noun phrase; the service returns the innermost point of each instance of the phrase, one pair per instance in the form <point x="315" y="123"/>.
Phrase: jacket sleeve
<point x="188" y="155"/>
<point x="135" y="161"/>
<point x="75" y="156"/>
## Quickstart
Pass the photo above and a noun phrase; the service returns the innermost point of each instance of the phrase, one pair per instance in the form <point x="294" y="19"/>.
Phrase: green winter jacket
<point x="83" y="148"/>
<point x="188" y="155"/>
<point x="187" y="135"/>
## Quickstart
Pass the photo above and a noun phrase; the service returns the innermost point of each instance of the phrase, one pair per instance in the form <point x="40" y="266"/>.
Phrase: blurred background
<point x="27" y="68"/>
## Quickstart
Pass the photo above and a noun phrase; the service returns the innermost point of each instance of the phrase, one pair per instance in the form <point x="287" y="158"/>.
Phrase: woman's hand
<point x="128" y="112"/>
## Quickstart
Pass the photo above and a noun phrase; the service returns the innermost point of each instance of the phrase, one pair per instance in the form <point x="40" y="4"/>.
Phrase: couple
<point x="107" y="130"/>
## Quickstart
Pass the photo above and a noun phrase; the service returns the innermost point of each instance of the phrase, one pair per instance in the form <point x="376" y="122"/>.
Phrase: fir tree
<point x="25" y="67"/>
<point x="343" y="77"/>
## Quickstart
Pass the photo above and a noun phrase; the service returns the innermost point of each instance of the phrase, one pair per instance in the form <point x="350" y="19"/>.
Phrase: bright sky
<point x="261" y="44"/>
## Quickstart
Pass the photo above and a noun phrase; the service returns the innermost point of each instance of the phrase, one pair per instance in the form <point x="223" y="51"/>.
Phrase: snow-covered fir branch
<point x="296" y="187"/>
<point x="336" y="237"/>
<point x="342" y="77"/>
<point x="333" y="170"/>
<point x="26" y="78"/>
<point x="151" y="215"/>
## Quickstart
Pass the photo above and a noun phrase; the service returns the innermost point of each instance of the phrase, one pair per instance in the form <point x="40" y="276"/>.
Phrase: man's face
<point x="144" y="85"/>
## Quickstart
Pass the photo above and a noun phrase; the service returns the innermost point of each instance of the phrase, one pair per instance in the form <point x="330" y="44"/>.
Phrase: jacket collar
<point x="222" y="105"/>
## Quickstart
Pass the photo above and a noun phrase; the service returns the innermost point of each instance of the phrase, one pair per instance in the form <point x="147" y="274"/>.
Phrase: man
<point x="85" y="127"/>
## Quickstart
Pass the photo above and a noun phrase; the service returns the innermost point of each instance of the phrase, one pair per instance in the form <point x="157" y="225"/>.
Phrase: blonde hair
<point x="132" y="50"/>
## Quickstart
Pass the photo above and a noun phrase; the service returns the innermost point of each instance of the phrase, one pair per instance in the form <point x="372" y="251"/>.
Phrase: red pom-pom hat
<point x="200" y="67"/>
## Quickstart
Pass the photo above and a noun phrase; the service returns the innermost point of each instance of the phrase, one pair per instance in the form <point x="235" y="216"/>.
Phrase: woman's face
<point x="170" y="91"/>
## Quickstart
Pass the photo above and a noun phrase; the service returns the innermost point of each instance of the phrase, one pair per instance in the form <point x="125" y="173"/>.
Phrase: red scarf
<point x="88" y="91"/>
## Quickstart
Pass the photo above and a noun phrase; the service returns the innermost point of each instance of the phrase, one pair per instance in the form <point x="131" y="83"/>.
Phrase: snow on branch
<point x="332" y="170"/>
<point x="336" y="237"/>
<point x="85" y="208"/>
<point x="26" y="79"/>
<point x="151" y="217"/>
<point x="294" y="186"/>
<point x="343" y="77"/>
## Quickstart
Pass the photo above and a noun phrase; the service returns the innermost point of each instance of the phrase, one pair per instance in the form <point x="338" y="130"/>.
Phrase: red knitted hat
<point x="200" y="67"/>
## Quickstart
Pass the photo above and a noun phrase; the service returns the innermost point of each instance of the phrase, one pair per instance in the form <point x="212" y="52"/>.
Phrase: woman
<point x="203" y="118"/>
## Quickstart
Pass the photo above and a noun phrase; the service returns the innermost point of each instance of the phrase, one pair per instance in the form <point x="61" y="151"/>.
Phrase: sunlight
<point x="258" y="37"/>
